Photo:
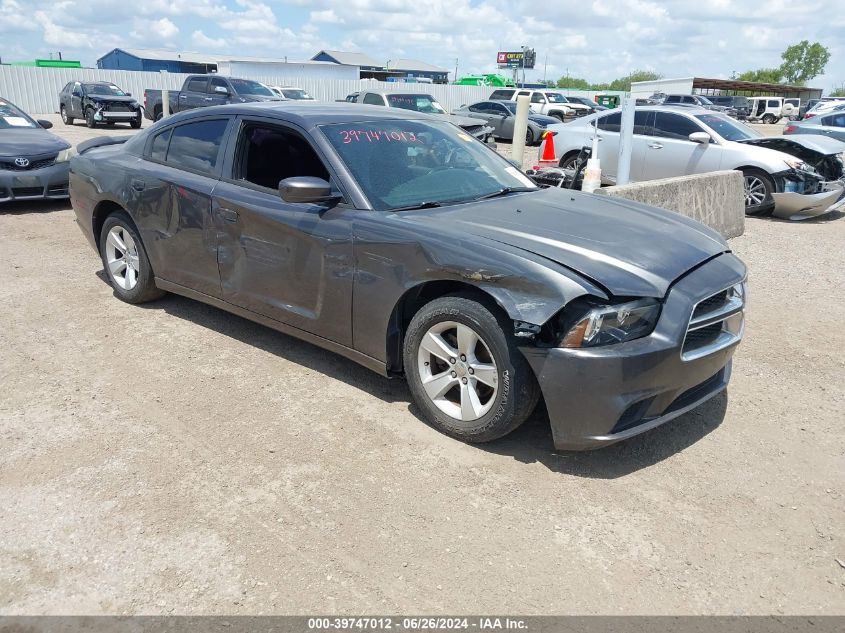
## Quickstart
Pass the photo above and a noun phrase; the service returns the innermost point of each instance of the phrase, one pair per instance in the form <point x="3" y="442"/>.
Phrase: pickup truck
<point x="200" y="91"/>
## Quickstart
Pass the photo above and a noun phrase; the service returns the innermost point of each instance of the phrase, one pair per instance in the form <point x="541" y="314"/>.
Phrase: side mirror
<point x="128" y="94"/>
<point x="221" y="90"/>
<point x="699" y="137"/>
<point x="45" y="124"/>
<point x="306" y="189"/>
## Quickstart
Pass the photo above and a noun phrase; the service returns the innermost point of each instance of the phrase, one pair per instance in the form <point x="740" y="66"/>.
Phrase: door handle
<point x="655" y="146"/>
<point x="208" y="98"/>
<point x="229" y="215"/>
<point x="138" y="185"/>
<point x="183" y="96"/>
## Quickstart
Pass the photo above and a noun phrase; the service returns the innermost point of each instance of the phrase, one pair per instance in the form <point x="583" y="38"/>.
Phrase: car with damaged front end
<point x="404" y="244"/>
<point x="793" y="178"/>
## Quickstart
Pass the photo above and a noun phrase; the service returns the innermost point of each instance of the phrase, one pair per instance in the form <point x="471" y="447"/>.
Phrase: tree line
<point x="800" y="63"/>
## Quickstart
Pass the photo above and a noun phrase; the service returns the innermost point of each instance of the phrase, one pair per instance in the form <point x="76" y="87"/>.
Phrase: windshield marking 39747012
<point x="412" y="164"/>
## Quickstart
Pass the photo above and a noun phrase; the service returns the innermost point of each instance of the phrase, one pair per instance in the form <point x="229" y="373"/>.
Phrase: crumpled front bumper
<point x="599" y="396"/>
<point x="802" y="206"/>
<point x="47" y="182"/>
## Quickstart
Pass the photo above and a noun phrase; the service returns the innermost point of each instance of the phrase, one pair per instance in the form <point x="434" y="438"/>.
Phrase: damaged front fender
<point x="802" y="194"/>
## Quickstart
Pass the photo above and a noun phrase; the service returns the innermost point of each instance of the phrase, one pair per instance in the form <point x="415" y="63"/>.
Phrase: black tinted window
<point x="196" y="145"/>
<point x="611" y="122"/>
<point x="159" y="147"/>
<point x="673" y="99"/>
<point x="669" y="125"/>
<point x="373" y="99"/>
<point x="835" y="120"/>
<point x="271" y="154"/>
<point x="504" y="95"/>
<point x="643" y="122"/>
<point x="196" y="85"/>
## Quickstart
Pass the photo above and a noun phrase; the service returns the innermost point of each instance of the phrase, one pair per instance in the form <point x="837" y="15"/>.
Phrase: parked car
<point x="592" y="105"/>
<point x="546" y="102"/>
<point x="291" y="92"/>
<point x="696" y="100"/>
<point x="501" y="115"/>
<point x="770" y="110"/>
<point x="98" y="102"/>
<point x="785" y="176"/>
<point x="737" y="103"/>
<point x="389" y="237"/>
<point x="832" y="125"/>
<point x="201" y="91"/>
<point x="824" y="107"/>
<point x="425" y="103"/>
<point x="33" y="161"/>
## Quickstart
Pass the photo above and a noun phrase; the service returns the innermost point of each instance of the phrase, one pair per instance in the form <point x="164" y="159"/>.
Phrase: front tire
<point x="67" y="120"/>
<point x="758" y="187"/>
<point x="125" y="260"/>
<point x="136" y="122"/>
<point x="465" y="371"/>
<point x="89" y="118"/>
<point x="529" y="137"/>
<point x="769" y="119"/>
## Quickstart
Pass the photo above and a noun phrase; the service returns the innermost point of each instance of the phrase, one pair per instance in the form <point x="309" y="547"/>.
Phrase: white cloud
<point x="203" y="41"/>
<point x="327" y="17"/>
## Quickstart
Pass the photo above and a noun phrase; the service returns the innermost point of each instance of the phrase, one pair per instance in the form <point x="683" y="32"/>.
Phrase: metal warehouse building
<point x="391" y="69"/>
<point x="184" y="62"/>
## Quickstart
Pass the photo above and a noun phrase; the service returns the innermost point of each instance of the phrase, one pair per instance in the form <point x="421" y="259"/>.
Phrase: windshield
<point x="410" y="163"/>
<point x="295" y="93"/>
<point x="554" y="97"/>
<point x="728" y="129"/>
<point x="109" y="90"/>
<point x="705" y="100"/>
<point x="11" y="116"/>
<point x="417" y="103"/>
<point x="247" y="87"/>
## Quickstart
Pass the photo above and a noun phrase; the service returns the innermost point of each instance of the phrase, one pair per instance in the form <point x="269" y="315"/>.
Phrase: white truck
<point x="545" y="101"/>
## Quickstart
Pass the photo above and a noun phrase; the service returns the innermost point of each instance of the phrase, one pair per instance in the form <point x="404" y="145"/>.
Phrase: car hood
<point x="261" y="98"/>
<point x="542" y="119"/>
<point x="112" y="98"/>
<point x="799" y="143"/>
<point x="630" y="249"/>
<point x="30" y="142"/>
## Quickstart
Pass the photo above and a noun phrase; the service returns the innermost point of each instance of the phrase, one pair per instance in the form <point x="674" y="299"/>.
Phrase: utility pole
<point x="545" y="63"/>
<point x="523" y="65"/>
<point x="456" y="69"/>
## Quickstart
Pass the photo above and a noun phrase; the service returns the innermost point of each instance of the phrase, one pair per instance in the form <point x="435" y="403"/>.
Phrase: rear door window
<point x="197" y="84"/>
<point x="196" y="146"/>
<point x="502" y="95"/>
<point x="373" y="99"/>
<point x="158" y="149"/>
<point x="611" y="122"/>
<point x="675" y="126"/>
<point x="835" y="120"/>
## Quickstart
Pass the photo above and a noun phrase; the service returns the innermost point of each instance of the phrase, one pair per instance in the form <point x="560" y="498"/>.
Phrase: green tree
<point x="624" y="83"/>
<point x="839" y="91"/>
<point x="763" y="75"/>
<point x="574" y="83"/>
<point x="804" y="61"/>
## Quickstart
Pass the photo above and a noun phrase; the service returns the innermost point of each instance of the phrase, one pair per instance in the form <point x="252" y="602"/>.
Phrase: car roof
<point x="398" y="92"/>
<point x="305" y="113"/>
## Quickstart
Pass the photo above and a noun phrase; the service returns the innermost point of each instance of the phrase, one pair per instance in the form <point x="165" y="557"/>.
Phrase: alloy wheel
<point x="122" y="258"/>
<point x="755" y="191"/>
<point x="457" y="371"/>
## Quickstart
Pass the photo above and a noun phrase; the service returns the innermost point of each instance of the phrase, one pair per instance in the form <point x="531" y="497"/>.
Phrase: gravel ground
<point x="173" y="458"/>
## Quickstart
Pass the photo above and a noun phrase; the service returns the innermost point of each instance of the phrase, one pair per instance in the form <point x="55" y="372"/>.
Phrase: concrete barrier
<point x="716" y="199"/>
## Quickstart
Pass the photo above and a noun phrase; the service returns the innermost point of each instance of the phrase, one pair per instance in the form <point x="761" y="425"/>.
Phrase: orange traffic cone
<point x="548" y="158"/>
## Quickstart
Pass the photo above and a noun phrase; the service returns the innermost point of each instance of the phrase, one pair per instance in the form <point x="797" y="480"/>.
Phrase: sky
<point x="595" y="39"/>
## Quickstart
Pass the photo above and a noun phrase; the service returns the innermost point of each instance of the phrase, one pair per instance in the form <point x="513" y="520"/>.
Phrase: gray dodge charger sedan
<point x="399" y="241"/>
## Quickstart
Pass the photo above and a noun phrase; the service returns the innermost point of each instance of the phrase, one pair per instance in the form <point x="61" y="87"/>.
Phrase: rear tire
<point x="758" y="186"/>
<point x="769" y="119"/>
<point x="67" y="120"/>
<point x="125" y="260"/>
<point x="465" y="371"/>
<point x="158" y="114"/>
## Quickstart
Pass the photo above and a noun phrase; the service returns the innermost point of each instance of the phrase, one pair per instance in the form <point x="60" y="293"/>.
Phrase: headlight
<point x="133" y="104"/>
<point x="794" y="163"/>
<point x="66" y="154"/>
<point x="605" y="325"/>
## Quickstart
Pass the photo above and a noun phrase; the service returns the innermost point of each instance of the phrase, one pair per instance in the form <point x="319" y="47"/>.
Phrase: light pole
<point x="523" y="65"/>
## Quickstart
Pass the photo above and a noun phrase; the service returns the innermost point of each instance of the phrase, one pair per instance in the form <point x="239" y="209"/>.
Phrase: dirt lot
<point x="173" y="458"/>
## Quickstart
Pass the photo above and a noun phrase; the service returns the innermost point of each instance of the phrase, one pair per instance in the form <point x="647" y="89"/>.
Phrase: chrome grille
<point x="716" y="323"/>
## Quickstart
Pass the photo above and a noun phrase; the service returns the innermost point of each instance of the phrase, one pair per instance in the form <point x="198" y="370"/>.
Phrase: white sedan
<point x="792" y="177"/>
